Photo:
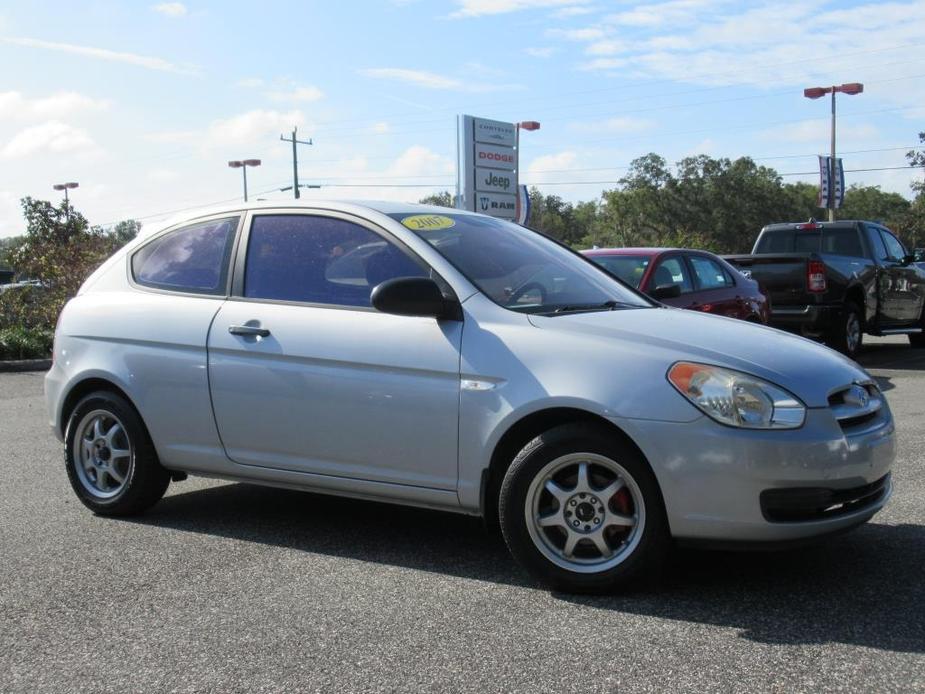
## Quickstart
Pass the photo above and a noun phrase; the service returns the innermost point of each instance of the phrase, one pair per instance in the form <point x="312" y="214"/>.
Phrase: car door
<point x="900" y="286"/>
<point x="306" y="376"/>
<point x="671" y="269"/>
<point x="716" y="289"/>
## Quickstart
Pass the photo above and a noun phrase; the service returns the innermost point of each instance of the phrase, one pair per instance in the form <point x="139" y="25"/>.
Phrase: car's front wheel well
<point x="520" y="434"/>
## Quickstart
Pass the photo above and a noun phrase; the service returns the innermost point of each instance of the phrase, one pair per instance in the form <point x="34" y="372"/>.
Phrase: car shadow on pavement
<point x="862" y="588"/>
<point x="892" y="356"/>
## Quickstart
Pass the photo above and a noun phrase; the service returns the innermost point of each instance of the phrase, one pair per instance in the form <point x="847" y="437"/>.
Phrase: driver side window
<point x="672" y="271"/>
<point x="894" y="247"/>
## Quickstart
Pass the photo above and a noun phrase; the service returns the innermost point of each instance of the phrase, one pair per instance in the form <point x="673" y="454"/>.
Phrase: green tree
<point x="442" y="199"/>
<point x="59" y="249"/>
<point x="125" y="231"/>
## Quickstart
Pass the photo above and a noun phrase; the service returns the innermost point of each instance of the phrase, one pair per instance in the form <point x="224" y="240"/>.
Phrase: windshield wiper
<point x="578" y="308"/>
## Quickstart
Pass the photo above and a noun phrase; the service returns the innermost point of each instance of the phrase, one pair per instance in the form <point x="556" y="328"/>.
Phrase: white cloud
<point x="380" y="128"/>
<point x="303" y="94"/>
<point x="420" y="161"/>
<point x="817" y="132"/>
<point x="604" y="64"/>
<point x="252" y="127"/>
<point x="54" y="136"/>
<point x="432" y="80"/>
<point x="419" y="78"/>
<point x="585" y="34"/>
<point x="144" y="61"/>
<point x="607" y="47"/>
<point x="171" y="9"/>
<point x="479" y="8"/>
<point x="573" y="11"/>
<point x="543" y="52"/>
<point x="623" y="124"/>
<point x="15" y="106"/>
<point x="249" y="82"/>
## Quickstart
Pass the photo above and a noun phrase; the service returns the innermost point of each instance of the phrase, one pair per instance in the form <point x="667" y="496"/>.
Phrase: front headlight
<point x="735" y="398"/>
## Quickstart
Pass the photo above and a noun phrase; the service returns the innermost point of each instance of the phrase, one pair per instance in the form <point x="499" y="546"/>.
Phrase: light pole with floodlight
<point x="850" y="88"/>
<point x="243" y="164"/>
<point x="65" y="187"/>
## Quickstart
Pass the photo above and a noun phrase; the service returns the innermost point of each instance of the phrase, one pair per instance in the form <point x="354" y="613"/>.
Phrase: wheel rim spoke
<point x="558" y="492"/>
<point x="620" y="520"/>
<point x="571" y="542"/>
<point x="583" y="484"/>
<point x="102" y="454"/>
<point x="601" y="543"/>
<point x="594" y="522"/>
<point x="551" y="521"/>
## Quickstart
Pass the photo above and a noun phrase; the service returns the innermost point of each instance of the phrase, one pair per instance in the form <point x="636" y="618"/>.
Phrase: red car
<point x="696" y="280"/>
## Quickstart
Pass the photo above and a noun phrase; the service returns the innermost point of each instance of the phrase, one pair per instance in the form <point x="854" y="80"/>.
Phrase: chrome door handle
<point x="248" y="330"/>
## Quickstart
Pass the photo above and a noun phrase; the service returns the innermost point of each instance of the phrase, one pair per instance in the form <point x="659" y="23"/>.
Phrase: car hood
<point x="807" y="369"/>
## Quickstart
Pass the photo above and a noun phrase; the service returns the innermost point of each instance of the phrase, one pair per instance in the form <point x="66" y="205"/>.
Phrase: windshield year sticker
<point x="428" y="222"/>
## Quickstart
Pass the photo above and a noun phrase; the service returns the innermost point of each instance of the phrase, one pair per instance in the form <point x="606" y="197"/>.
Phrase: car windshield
<point x="520" y="269"/>
<point x="629" y="268"/>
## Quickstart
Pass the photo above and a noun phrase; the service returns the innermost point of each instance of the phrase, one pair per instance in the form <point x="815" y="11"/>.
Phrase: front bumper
<point x="712" y="477"/>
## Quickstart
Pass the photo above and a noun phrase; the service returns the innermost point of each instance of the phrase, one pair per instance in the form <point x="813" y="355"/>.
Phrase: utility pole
<point x="295" y="159"/>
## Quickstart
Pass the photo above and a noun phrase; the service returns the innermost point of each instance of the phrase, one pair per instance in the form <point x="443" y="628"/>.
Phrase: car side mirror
<point x="908" y="259"/>
<point x="666" y="291"/>
<point x="414" y="296"/>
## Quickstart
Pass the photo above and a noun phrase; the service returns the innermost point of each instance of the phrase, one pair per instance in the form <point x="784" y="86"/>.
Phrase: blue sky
<point x="144" y="103"/>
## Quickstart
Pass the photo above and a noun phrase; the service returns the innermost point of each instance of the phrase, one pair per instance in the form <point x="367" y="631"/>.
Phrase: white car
<point x="450" y="360"/>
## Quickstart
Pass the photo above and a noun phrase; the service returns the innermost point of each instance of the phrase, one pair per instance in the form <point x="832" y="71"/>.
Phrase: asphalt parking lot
<point x="228" y="587"/>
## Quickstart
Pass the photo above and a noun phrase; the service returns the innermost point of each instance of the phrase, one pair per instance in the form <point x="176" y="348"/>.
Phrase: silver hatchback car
<point x="450" y="360"/>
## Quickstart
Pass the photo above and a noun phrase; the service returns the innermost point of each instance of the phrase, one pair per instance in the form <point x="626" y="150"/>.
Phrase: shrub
<point x="25" y="343"/>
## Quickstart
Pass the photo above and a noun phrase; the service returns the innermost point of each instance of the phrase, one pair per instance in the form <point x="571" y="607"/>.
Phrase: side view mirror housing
<point x="414" y="296"/>
<point x="908" y="259"/>
<point x="666" y="291"/>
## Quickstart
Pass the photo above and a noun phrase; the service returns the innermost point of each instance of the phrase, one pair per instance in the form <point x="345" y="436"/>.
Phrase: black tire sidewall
<point x="839" y="336"/>
<point x="147" y="480"/>
<point x="574" y="438"/>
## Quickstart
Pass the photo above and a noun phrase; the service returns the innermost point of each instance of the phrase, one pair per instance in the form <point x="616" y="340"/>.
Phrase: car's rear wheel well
<point x="524" y="431"/>
<point x="86" y="387"/>
<point x="855" y="296"/>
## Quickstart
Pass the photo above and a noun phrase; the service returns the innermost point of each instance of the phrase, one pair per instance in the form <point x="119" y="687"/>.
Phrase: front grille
<point x="856" y="405"/>
<point x="797" y="504"/>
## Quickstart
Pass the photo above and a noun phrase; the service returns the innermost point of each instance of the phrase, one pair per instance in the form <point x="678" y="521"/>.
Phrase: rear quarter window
<point x="190" y="259"/>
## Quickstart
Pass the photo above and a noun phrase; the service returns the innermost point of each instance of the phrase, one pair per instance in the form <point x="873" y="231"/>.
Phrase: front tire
<point x="110" y="459"/>
<point x="582" y="512"/>
<point x="847" y="335"/>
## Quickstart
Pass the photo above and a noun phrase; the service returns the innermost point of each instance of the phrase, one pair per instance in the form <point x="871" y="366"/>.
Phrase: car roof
<point x="353" y="206"/>
<point x="630" y="251"/>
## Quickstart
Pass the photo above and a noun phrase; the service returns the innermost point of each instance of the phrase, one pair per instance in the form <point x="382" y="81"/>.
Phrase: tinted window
<point x="777" y="241"/>
<point x="190" y="259"/>
<point x="876" y="243"/>
<point x="519" y="268"/>
<point x="629" y="268"/>
<point x="671" y="271"/>
<point x="709" y="273"/>
<point x="320" y="260"/>
<point x="842" y="242"/>
<point x="806" y="242"/>
<point x="894" y="248"/>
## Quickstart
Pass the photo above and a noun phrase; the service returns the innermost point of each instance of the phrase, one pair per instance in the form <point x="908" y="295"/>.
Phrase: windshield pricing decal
<point x="428" y="222"/>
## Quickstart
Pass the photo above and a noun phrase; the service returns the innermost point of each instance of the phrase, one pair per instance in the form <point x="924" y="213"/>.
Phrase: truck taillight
<point x="815" y="276"/>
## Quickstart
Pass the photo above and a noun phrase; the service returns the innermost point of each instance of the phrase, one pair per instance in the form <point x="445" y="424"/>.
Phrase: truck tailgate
<point x="782" y="276"/>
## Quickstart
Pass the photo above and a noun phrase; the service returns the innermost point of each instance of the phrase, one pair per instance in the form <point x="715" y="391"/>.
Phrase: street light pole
<point x="65" y="187"/>
<point x="850" y="88"/>
<point x="243" y="164"/>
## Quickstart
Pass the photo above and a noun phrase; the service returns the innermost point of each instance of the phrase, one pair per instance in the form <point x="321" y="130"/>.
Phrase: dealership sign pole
<point x="487" y="168"/>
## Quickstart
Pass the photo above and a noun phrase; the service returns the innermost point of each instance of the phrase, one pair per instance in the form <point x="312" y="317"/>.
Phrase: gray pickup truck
<point x="837" y="281"/>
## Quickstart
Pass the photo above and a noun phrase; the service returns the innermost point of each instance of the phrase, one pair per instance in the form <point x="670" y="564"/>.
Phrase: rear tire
<point x="110" y="459"/>
<point x="582" y="512"/>
<point x="847" y="334"/>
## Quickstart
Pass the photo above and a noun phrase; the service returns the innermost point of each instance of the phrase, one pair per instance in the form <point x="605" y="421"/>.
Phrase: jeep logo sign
<point x="487" y="167"/>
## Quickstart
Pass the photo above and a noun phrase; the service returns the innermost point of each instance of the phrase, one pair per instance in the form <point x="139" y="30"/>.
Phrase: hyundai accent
<point x="445" y="359"/>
